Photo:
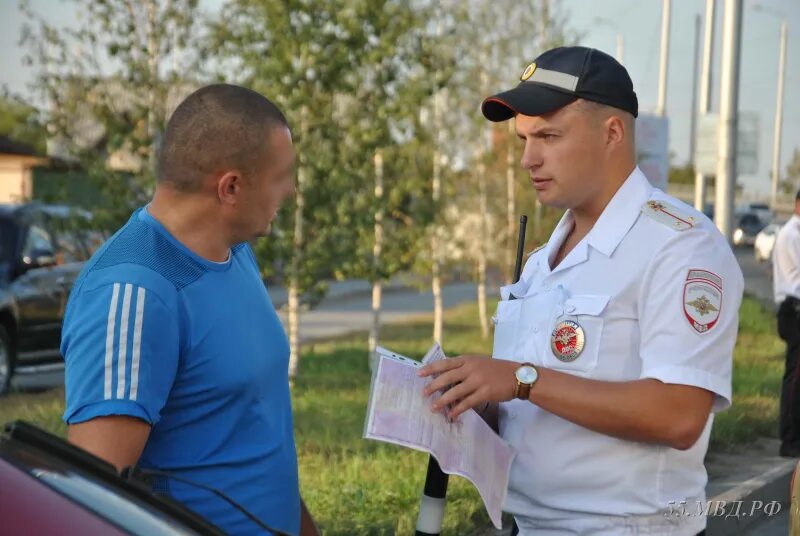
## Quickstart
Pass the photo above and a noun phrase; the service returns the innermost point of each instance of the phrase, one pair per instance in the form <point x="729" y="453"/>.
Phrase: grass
<point x="354" y="486"/>
<point x="758" y="362"/>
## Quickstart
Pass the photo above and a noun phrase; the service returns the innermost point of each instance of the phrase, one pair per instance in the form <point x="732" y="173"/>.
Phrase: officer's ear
<point x="616" y="131"/>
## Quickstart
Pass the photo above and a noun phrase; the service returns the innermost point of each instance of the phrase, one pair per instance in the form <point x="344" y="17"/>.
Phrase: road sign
<point x="707" y="146"/>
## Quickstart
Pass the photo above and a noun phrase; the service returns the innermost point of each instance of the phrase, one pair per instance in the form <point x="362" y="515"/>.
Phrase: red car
<point x="48" y="486"/>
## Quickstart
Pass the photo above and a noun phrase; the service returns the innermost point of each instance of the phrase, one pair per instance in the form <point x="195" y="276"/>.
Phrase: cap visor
<point x="526" y="99"/>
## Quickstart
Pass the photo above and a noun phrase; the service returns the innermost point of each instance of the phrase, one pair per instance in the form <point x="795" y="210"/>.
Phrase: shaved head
<point x="217" y="128"/>
<point x="601" y="112"/>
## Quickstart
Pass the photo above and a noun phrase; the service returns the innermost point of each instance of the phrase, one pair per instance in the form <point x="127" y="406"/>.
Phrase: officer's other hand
<point x="468" y="381"/>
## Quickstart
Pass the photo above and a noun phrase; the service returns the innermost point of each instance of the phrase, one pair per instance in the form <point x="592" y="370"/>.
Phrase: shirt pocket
<point x="506" y="320"/>
<point x="580" y="324"/>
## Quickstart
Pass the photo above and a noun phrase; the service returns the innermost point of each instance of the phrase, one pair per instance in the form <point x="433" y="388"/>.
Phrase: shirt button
<point x="536" y="330"/>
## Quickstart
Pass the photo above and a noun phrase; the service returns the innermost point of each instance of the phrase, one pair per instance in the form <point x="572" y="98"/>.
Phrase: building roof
<point x="9" y="146"/>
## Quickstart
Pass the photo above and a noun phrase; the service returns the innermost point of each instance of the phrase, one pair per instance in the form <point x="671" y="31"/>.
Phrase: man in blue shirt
<point x="175" y="357"/>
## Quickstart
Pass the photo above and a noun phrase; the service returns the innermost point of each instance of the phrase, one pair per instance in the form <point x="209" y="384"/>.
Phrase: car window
<point x="74" y="242"/>
<point x="70" y="248"/>
<point x="38" y="241"/>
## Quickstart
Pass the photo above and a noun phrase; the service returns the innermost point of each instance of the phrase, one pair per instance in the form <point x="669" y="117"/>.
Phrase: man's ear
<point x="616" y="133"/>
<point x="229" y="187"/>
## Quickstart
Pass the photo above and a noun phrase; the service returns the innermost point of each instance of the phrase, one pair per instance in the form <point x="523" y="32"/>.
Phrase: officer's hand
<point x="469" y="381"/>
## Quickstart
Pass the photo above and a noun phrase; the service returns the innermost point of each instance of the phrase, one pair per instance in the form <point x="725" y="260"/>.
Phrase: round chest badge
<point x="567" y="341"/>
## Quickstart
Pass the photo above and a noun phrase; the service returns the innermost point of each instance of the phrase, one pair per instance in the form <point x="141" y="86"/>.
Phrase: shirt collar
<point x="620" y="214"/>
<point x="613" y="224"/>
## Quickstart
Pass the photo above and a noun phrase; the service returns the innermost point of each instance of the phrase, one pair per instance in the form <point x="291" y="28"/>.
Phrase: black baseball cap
<point x="561" y="76"/>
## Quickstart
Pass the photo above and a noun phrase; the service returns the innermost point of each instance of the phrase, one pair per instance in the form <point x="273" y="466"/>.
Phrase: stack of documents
<point x="399" y="413"/>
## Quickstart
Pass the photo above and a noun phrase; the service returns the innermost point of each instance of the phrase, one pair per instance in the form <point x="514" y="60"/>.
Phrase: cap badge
<point x="567" y="341"/>
<point x="528" y="72"/>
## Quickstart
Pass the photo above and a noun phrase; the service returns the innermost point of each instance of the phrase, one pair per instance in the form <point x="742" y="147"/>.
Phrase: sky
<point x="598" y="23"/>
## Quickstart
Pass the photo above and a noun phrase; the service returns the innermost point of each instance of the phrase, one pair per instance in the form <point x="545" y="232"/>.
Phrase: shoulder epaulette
<point x="669" y="215"/>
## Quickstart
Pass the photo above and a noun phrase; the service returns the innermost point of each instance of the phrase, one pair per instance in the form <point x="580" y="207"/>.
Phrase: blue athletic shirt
<point x="196" y="349"/>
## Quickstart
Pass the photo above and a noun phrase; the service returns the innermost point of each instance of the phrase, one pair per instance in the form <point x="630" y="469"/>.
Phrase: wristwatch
<point x="526" y="376"/>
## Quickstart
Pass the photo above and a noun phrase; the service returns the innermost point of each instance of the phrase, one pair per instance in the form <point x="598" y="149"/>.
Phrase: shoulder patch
<point x="669" y="215"/>
<point x="537" y="249"/>
<point x="702" y="299"/>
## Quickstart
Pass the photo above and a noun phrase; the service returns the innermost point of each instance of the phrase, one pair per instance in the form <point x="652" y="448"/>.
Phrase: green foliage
<point x="349" y="75"/>
<point x="22" y="122"/>
<point x="108" y="120"/>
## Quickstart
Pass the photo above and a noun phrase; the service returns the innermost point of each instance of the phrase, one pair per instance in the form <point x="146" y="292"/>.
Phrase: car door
<point x="40" y="296"/>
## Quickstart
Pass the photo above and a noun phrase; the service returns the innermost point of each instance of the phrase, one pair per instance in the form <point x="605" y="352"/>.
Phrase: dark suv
<point x="42" y="250"/>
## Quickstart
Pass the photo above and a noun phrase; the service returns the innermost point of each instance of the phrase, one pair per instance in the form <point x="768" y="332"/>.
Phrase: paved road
<point x="344" y="315"/>
<point x="757" y="276"/>
<point x="777" y="525"/>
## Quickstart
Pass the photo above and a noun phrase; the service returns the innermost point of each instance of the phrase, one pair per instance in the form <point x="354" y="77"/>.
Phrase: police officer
<point x="786" y="283"/>
<point x="614" y="350"/>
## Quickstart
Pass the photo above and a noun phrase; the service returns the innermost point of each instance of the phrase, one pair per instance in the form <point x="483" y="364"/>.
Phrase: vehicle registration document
<point x="399" y="413"/>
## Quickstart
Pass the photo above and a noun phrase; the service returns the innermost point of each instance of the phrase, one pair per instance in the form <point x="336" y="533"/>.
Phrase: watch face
<point x="527" y="374"/>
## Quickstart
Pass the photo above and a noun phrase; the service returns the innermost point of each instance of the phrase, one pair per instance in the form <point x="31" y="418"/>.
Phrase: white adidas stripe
<point x="137" y="342"/>
<point x="112" y="318"/>
<point x="123" y="341"/>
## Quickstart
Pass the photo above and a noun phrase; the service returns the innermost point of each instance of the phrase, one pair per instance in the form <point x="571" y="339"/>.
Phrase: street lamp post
<point x="620" y="52"/>
<point x="778" y="126"/>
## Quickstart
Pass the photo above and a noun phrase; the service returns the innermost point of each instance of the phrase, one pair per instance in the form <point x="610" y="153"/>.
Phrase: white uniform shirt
<point x="653" y="302"/>
<point x="786" y="261"/>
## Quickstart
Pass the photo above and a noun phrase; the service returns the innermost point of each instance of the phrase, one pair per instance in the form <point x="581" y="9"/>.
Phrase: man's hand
<point x="475" y="380"/>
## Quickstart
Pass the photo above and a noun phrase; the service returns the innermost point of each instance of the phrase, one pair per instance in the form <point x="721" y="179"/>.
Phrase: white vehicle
<point x="765" y="241"/>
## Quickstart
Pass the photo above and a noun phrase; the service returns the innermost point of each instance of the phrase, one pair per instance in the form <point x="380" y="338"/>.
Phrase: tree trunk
<point x="374" y="331"/>
<point x="294" y="277"/>
<point x="297" y="259"/>
<point x="152" y="65"/>
<point x="436" y="282"/>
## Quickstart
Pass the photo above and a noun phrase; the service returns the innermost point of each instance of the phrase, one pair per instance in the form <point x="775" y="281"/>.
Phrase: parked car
<point x="761" y="210"/>
<point x="748" y="225"/>
<point x="42" y="250"/>
<point x="51" y="487"/>
<point x="765" y="242"/>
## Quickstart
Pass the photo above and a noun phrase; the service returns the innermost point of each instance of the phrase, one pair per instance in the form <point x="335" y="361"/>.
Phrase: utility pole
<point x="776" y="148"/>
<point x="705" y="96"/>
<point x="693" y="115"/>
<point x="661" y="109"/>
<point x="620" y="49"/>
<point x="728" y="117"/>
